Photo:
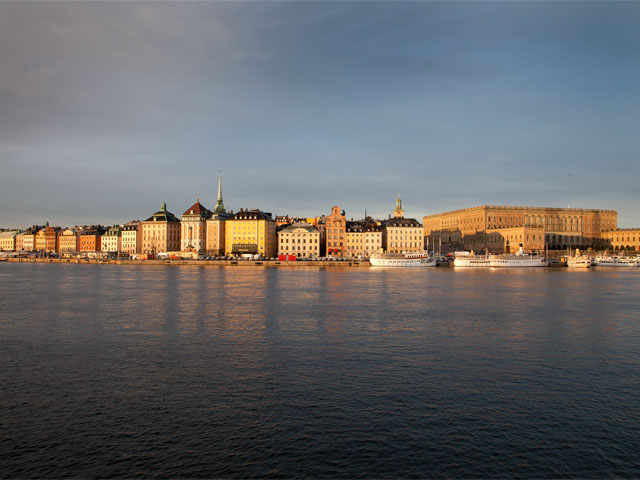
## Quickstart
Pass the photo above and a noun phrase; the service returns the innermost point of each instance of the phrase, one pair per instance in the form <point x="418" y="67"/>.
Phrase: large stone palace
<point x="506" y="229"/>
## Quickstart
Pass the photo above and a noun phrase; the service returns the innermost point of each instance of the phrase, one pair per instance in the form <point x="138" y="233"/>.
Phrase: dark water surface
<point x="122" y="371"/>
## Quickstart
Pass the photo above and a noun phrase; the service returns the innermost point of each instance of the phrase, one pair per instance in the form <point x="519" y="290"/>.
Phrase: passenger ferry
<point x="405" y="259"/>
<point x="466" y="259"/>
<point x="604" y="261"/>
<point x="518" y="260"/>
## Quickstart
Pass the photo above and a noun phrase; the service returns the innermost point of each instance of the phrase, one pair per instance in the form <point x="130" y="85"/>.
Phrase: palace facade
<point x="623" y="239"/>
<point x="505" y="228"/>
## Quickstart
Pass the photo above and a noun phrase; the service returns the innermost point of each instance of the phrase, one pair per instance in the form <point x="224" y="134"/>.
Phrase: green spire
<point x="219" y="205"/>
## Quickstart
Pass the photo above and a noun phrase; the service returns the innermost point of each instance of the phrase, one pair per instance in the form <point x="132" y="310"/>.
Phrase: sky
<point x="107" y="109"/>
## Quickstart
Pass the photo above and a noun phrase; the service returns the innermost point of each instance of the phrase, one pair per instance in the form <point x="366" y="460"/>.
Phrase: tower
<point x="219" y="205"/>
<point x="398" y="212"/>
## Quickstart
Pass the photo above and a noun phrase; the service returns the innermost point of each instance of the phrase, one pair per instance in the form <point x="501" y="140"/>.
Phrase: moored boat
<point x="605" y="261"/>
<point x="581" y="261"/>
<point x="464" y="259"/>
<point x="518" y="260"/>
<point x="415" y="259"/>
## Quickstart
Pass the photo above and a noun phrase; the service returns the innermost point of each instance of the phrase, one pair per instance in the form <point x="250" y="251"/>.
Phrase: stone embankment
<point x="241" y="263"/>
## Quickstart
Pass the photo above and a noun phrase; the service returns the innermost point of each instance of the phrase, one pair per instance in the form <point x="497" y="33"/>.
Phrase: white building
<point x="193" y="228"/>
<point x="300" y="239"/>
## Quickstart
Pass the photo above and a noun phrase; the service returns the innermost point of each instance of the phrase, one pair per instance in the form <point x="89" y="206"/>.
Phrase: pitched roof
<point x="403" y="222"/>
<point x="252" y="215"/>
<point x="295" y="226"/>
<point x="162" y="215"/>
<point x="198" y="209"/>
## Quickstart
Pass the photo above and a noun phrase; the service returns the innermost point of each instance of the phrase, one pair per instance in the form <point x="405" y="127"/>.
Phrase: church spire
<point x="219" y="205"/>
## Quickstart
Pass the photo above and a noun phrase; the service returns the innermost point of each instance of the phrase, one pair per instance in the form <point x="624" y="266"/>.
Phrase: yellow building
<point x="68" y="241"/>
<point x="251" y="232"/>
<point x="363" y="238"/>
<point x="8" y="241"/>
<point x="623" y="239"/>
<point x="300" y="239"/>
<point x="161" y="232"/>
<point x="483" y="227"/>
<point x="403" y="235"/>
<point x="29" y="238"/>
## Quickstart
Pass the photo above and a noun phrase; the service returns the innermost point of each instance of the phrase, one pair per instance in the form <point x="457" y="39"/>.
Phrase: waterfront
<point x="318" y="372"/>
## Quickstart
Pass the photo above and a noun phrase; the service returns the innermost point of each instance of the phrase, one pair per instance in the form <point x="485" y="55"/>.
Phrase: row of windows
<point x="299" y="240"/>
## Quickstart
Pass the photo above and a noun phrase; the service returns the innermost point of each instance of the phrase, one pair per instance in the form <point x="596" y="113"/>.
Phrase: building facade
<point x="20" y="242"/>
<point x="68" y="241"/>
<point x="8" y="241"/>
<point x="193" y="228"/>
<point x="111" y="239"/>
<point x="485" y="227"/>
<point x="403" y="235"/>
<point x="363" y="238"/>
<point x="336" y="232"/>
<point x="29" y="238"/>
<point x="161" y="232"/>
<point x="131" y="238"/>
<point x="90" y="239"/>
<point x="251" y="232"/>
<point x="623" y="239"/>
<point x="299" y="239"/>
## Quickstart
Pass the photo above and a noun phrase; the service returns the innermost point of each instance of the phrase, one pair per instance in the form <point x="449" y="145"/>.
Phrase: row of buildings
<point x="216" y="232"/>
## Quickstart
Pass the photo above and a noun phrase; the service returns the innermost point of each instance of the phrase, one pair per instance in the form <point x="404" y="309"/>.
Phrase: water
<point x="122" y="371"/>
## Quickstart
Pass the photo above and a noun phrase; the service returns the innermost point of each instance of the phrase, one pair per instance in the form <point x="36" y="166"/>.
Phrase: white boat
<point x="518" y="260"/>
<point x="604" y="261"/>
<point x="415" y="259"/>
<point x="581" y="261"/>
<point x="465" y="259"/>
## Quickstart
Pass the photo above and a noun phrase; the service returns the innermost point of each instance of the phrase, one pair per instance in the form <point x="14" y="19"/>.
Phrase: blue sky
<point x="108" y="109"/>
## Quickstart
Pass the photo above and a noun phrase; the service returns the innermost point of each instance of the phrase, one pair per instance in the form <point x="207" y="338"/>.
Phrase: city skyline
<point x="108" y="109"/>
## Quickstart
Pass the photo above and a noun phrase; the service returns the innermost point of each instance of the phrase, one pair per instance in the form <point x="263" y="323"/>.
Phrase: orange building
<point x="47" y="239"/>
<point x="91" y="239"/>
<point x="336" y="232"/>
<point x="20" y="242"/>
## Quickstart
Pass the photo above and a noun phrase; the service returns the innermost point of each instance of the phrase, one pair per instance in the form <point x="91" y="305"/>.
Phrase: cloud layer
<point x="109" y="108"/>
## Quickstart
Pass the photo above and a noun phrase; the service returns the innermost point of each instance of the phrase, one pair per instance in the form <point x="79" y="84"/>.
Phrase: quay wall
<point x="240" y="263"/>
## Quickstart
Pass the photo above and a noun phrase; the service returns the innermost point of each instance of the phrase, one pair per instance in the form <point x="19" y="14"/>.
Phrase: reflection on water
<point x="318" y="372"/>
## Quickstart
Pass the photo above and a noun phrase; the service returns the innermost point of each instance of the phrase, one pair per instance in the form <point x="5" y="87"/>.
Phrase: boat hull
<point x="402" y="260"/>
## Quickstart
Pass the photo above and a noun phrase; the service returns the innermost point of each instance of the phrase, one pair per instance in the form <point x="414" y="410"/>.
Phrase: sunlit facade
<point x="161" y="232"/>
<point x="251" y="232"/>
<point x="488" y="227"/>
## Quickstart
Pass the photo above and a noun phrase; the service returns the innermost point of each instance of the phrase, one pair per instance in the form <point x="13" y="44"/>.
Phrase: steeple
<point x="398" y="212"/>
<point x="219" y="205"/>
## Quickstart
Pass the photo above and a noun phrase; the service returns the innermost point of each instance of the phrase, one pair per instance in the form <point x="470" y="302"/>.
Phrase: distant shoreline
<point x="197" y="263"/>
